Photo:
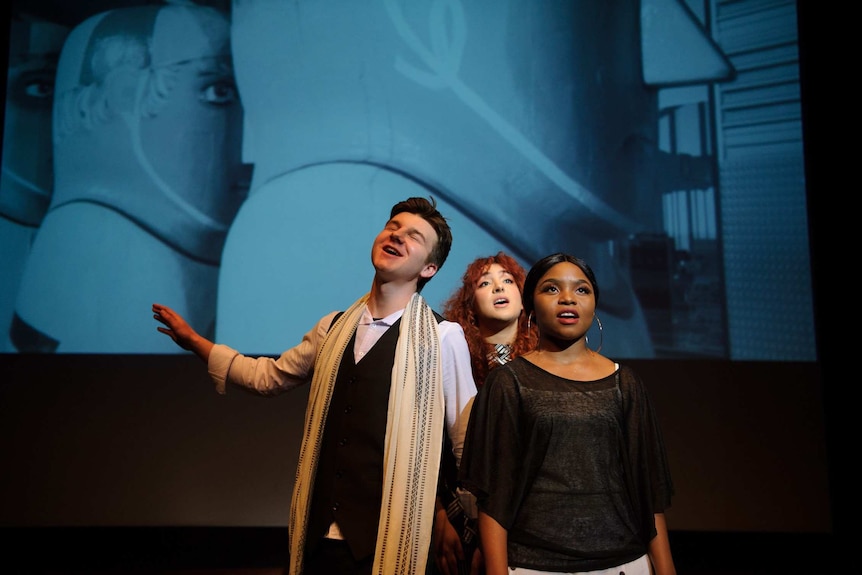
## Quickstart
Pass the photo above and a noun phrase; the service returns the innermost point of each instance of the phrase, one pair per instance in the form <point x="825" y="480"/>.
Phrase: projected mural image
<point x="147" y="161"/>
<point x="26" y="182"/>
<point x="590" y="127"/>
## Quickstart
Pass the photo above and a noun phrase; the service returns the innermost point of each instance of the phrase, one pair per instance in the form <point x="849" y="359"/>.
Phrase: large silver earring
<point x="529" y="317"/>
<point x="601" y="335"/>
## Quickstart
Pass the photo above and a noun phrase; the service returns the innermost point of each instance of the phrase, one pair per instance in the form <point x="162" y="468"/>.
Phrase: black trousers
<point x="333" y="557"/>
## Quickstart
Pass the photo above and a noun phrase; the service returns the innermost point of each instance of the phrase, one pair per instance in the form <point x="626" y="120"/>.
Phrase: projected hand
<point x="181" y="332"/>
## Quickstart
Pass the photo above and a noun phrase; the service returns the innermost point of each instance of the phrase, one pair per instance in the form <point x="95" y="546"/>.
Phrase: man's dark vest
<point x="348" y="487"/>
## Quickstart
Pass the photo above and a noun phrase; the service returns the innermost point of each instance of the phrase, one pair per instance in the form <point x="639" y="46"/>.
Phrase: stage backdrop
<point x="235" y="160"/>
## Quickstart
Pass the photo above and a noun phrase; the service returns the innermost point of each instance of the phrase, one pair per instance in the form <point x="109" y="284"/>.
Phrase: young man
<point x="367" y="472"/>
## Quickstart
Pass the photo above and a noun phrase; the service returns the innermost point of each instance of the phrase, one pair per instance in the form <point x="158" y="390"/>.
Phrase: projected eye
<point x="33" y="89"/>
<point x="39" y="89"/>
<point x="221" y="93"/>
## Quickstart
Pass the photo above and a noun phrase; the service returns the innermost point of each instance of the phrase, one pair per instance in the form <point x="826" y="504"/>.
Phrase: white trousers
<point x="639" y="566"/>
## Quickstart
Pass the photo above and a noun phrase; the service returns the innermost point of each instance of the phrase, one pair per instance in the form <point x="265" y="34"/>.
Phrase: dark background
<point x="133" y="462"/>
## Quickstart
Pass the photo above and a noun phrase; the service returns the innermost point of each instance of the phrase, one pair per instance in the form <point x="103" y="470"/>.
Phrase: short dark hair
<point x="426" y="208"/>
<point x="542" y="266"/>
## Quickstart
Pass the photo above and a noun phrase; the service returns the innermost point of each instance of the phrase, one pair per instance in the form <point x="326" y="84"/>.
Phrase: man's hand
<point x="181" y="332"/>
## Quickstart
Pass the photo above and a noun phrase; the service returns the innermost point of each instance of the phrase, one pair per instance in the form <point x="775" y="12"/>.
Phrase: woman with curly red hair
<point x="488" y="307"/>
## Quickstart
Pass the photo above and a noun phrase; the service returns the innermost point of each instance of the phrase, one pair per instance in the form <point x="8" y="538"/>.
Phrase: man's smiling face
<point x="402" y="248"/>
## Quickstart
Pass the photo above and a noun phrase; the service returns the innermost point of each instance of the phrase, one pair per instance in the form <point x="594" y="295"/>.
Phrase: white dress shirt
<point x="295" y="367"/>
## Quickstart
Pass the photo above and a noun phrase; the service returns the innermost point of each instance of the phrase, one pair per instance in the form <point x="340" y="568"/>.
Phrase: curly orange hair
<point x="461" y="308"/>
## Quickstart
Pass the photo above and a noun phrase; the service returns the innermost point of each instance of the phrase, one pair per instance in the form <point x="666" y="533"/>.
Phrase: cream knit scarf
<point x="413" y="443"/>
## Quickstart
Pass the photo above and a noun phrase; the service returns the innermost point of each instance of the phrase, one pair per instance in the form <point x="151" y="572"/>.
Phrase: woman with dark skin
<point x="488" y="307"/>
<point x="563" y="451"/>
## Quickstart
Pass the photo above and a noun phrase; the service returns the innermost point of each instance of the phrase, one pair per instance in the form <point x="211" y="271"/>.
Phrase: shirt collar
<point x="366" y="318"/>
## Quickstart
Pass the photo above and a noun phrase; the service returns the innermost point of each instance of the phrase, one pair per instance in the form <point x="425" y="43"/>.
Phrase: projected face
<point x="149" y="105"/>
<point x="27" y="172"/>
<point x="199" y="124"/>
<point x="147" y="145"/>
<point x="27" y="176"/>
